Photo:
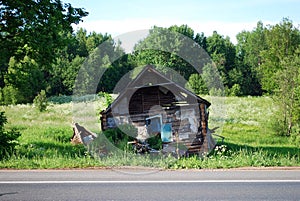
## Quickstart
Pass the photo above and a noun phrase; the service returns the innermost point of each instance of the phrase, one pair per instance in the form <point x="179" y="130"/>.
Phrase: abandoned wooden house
<point x="156" y="105"/>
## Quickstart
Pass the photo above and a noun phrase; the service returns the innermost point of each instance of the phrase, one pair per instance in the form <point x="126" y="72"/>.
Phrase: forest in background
<point x="39" y="50"/>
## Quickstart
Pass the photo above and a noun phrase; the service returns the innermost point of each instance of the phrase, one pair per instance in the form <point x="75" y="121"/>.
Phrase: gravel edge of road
<point x="158" y="169"/>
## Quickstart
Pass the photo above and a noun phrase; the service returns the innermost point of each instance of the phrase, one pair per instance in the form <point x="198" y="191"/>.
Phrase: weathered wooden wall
<point x="189" y="125"/>
<point x="145" y="98"/>
<point x="188" y="119"/>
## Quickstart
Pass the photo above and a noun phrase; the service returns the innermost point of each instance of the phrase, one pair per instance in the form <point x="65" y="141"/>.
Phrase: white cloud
<point x="119" y="27"/>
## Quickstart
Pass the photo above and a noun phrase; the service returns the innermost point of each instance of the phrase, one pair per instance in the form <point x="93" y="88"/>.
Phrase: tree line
<point x="39" y="50"/>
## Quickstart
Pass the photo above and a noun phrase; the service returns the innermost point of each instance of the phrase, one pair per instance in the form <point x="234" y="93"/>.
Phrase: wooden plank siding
<point x="185" y="111"/>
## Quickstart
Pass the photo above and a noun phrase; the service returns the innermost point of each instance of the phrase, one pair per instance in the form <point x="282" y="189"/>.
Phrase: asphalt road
<point x="149" y="184"/>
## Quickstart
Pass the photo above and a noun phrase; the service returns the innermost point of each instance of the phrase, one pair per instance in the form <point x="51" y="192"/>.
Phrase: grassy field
<point x="244" y="122"/>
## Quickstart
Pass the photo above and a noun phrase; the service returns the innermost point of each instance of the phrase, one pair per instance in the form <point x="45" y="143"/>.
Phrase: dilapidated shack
<point x="156" y="105"/>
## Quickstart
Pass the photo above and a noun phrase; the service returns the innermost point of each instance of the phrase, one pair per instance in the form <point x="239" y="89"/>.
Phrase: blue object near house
<point x="166" y="132"/>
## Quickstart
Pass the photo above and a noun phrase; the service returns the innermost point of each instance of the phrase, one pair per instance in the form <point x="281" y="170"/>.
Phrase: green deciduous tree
<point x="104" y="66"/>
<point x="201" y="39"/>
<point x="70" y="59"/>
<point x="250" y="45"/>
<point x="282" y="40"/>
<point x="248" y="59"/>
<point x="287" y="95"/>
<point x="213" y="80"/>
<point x="162" y="47"/>
<point x="222" y="52"/>
<point x="37" y="24"/>
<point x="34" y="29"/>
<point x="24" y="78"/>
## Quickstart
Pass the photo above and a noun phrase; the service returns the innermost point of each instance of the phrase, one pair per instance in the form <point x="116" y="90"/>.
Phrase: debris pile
<point x="81" y="135"/>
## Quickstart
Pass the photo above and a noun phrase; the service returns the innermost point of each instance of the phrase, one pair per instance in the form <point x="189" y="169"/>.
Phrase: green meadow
<point x="245" y="122"/>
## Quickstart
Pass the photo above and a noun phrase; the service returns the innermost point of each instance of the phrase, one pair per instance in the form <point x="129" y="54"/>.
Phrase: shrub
<point x="197" y="84"/>
<point x="216" y="92"/>
<point x="8" y="138"/>
<point x="10" y="96"/>
<point x="108" y="98"/>
<point x="121" y="135"/>
<point x="40" y="101"/>
<point x="295" y="135"/>
<point x="155" y="142"/>
<point x="235" y="90"/>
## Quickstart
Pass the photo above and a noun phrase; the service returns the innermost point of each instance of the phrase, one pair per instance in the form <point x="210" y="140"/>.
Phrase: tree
<point x="201" y="40"/>
<point x="287" y="95"/>
<point x="248" y="59"/>
<point x="39" y="24"/>
<point x="183" y="29"/>
<point x="163" y="46"/>
<point x="102" y="69"/>
<point x="282" y="40"/>
<point x="213" y="80"/>
<point x="114" y="73"/>
<point x="222" y="52"/>
<point x="70" y="59"/>
<point x="251" y="44"/>
<point x="24" y="78"/>
<point x="279" y="67"/>
<point x="35" y="29"/>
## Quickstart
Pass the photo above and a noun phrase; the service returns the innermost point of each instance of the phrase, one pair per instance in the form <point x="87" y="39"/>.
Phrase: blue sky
<point x="226" y="17"/>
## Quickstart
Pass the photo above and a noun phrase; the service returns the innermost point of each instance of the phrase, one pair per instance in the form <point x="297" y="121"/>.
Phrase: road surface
<point x="149" y="184"/>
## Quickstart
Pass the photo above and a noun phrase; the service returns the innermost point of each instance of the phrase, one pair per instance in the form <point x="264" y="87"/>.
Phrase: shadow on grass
<point x="269" y="150"/>
<point x="49" y="149"/>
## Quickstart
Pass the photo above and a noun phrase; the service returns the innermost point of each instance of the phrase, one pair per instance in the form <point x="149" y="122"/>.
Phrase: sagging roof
<point x="150" y="77"/>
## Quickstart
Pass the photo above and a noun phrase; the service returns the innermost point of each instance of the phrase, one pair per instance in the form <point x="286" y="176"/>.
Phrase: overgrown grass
<point x="244" y="157"/>
<point x="45" y="139"/>
<point x="249" y="140"/>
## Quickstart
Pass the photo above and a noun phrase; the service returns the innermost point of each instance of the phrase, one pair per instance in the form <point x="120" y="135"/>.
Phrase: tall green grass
<point x="249" y="140"/>
<point x="45" y="139"/>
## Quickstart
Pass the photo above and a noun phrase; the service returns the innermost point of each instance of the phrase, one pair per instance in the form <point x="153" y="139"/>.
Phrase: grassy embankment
<point x="249" y="141"/>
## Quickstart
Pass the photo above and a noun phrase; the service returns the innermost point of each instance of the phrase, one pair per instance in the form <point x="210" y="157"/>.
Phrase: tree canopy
<point x="32" y="34"/>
